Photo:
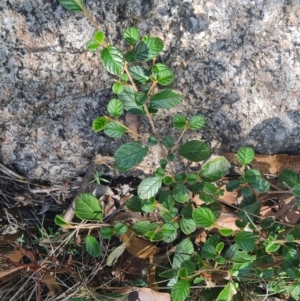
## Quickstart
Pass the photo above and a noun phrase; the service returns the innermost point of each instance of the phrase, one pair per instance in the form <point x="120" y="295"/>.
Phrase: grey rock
<point x="236" y="61"/>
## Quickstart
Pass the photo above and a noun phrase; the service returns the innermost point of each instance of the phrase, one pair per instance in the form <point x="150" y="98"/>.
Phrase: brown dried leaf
<point x="52" y="285"/>
<point x="145" y="294"/>
<point x="271" y="164"/>
<point x="7" y="272"/>
<point x="15" y="256"/>
<point x="132" y="122"/>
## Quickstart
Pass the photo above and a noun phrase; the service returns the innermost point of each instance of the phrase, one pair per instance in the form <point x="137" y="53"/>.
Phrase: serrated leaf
<point x="120" y="228"/>
<point x="113" y="60"/>
<point x="60" y="221"/>
<point x="183" y="252"/>
<point x="288" y="178"/>
<point x="139" y="74"/>
<point x="114" y="130"/>
<point x="214" y="169"/>
<point x="196" y="122"/>
<point x="99" y="124"/>
<point x="129" y="155"/>
<point x="99" y="36"/>
<point x="92" y="45"/>
<point x="296" y="190"/>
<point x="152" y="140"/>
<point x="208" y="251"/>
<point x="204" y="217"/>
<point x="220" y="246"/>
<point x="294" y="290"/>
<point x="245" y="155"/>
<point x="117" y="88"/>
<point x="195" y="151"/>
<point x="87" y="207"/>
<point x="167" y="142"/>
<point x="134" y="204"/>
<point x="115" y="108"/>
<point x="252" y="175"/>
<point x="261" y="186"/>
<point x="180" y="291"/>
<point x="149" y="48"/>
<point x="181" y="193"/>
<point x="72" y="5"/>
<point x="169" y="273"/>
<point x="142" y="227"/>
<point x="179" y="122"/>
<point x="163" y="75"/>
<point x="131" y="35"/>
<point x="233" y="185"/>
<point x="225" y="231"/>
<point x="128" y="97"/>
<point x="246" y="240"/>
<point x="272" y="247"/>
<point x="92" y="246"/>
<point x="241" y="256"/>
<point x="169" y="232"/>
<point x="106" y="232"/>
<point x="166" y="99"/>
<point x="188" y="226"/>
<point x="227" y="292"/>
<point x="168" y="180"/>
<point x="149" y="187"/>
<point x="289" y="253"/>
<point x="192" y="178"/>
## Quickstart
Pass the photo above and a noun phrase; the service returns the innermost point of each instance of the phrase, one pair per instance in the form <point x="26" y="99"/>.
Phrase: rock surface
<point x="236" y="61"/>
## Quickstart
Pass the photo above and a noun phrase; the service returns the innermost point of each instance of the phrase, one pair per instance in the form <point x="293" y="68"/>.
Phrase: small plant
<point x="98" y="178"/>
<point x="261" y="251"/>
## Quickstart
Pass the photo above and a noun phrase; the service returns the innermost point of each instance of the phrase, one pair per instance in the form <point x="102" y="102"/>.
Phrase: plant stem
<point x="149" y="116"/>
<point x="179" y="139"/>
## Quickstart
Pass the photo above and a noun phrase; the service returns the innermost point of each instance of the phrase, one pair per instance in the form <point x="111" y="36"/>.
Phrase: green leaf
<point x="196" y="122"/>
<point x="170" y="157"/>
<point x="204" y="217"/>
<point x="115" y="108"/>
<point x="182" y="273"/>
<point x="113" y="60"/>
<point x="134" y="204"/>
<point x="114" y="130"/>
<point x="220" y="246"/>
<point x="233" y="185"/>
<point x="72" y="5"/>
<point x="181" y="193"/>
<point x="195" y="151"/>
<point x="214" y="169"/>
<point x="169" y="273"/>
<point x="246" y="240"/>
<point x="188" y="226"/>
<point x="169" y="232"/>
<point x="120" y="228"/>
<point x="261" y="186"/>
<point x="142" y="227"/>
<point x="141" y="98"/>
<point x="128" y="97"/>
<point x="288" y="178"/>
<point x="168" y="180"/>
<point x="149" y="48"/>
<point x="192" y="178"/>
<point x="179" y="122"/>
<point x="167" y="142"/>
<point x="149" y="206"/>
<point x="289" y="253"/>
<point x="92" y="45"/>
<point x="139" y="74"/>
<point x="227" y="292"/>
<point x="131" y="35"/>
<point x="246" y="191"/>
<point x="106" y="232"/>
<point x="180" y="291"/>
<point x="163" y="75"/>
<point x="181" y="177"/>
<point x="208" y="251"/>
<point x="252" y="175"/>
<point x="92" y="246"/>
<point x="225" y="231"/>
<point x="99" y="36"/>
<point x="294" y="290"/>
<point x="245" y="155"/>
<point x="152" y="140"/>
<point x="117" y="88"/>
<point x="250" y="206"/>
<point x="99" y="124"/>
<point x="87" y="207"/>
<point x="183" y="252"/>
<point x="272" y="247"/>
<point x="149" y="187"/>
<point x="129" y="155"/>
<point x="189" y="265"/>
<point x="296" y="190"/>
<point x="60" y="221"/>
<point x="159" y="172"/>
<point x="166" y="99"/>
<point x="163" y="163"/>
<point x="242" y="257"/>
